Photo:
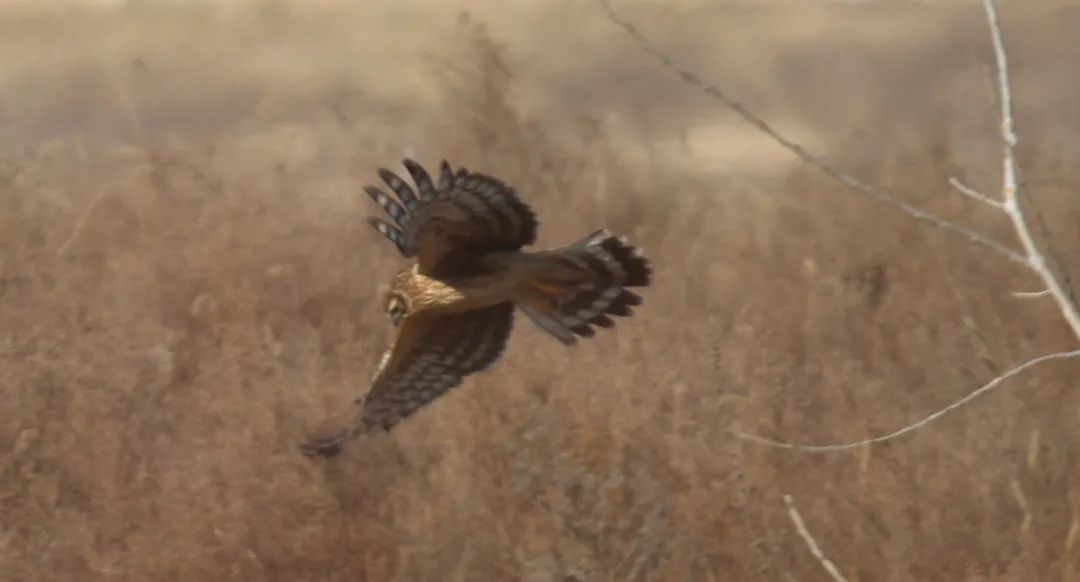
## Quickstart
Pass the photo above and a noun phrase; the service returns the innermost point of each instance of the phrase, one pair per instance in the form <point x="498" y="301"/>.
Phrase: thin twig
<point x="1011" y="194"/>
<point x="799" y="151"/>
<point x="1031" y="294"/>
<point x="1022" y="502"/>
<point x="80" y="224"/>
<point x="1043" y="231"/>
<point x="796" y="519"/>
<point x="915" y="425"/>
<point x="975" y="194"/>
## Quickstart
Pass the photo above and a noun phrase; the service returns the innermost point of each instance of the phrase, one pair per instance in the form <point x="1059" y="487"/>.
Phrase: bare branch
<point x="1008" y="135"/>
<point x="1011" y="205"/>
<point x="1031" y="294"/>
<point x="975" y="195"/>
<point x="796" y="519"/>
<point x="915" y="425"/>
<point x="801" y="152"/>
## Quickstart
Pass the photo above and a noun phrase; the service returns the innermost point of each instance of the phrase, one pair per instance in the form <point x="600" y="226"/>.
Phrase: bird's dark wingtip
<point x="323" y="447"/>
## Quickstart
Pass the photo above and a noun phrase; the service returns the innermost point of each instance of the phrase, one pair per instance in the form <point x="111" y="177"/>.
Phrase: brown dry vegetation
<point x="187" y="290"/>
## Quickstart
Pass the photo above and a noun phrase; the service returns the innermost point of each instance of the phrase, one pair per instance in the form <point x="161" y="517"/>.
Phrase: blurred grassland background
<point x="188" y="289"/>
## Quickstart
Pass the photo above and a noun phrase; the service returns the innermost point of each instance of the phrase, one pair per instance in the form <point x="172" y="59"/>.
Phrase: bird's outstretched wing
<point x="431" y="355"/>
<point x="465" y="213"/>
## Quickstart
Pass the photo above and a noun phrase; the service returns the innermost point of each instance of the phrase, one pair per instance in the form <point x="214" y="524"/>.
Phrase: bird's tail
<point x="571" y="289"/>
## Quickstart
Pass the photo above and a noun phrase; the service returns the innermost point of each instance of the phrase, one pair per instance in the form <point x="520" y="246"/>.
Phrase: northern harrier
<point x="454" y="306"/>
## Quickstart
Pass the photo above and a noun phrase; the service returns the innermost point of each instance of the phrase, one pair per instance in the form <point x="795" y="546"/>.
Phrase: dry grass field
<point x="188" y="290"/>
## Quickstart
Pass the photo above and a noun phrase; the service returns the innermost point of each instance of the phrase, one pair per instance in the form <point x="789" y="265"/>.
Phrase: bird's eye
<point x="396" y="309"/>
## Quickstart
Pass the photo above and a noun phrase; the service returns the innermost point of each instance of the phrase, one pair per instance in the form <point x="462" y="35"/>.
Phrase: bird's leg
<point x="542" y="296"/>
<point x="545" y="295"/>
<point x="547" y="289"/>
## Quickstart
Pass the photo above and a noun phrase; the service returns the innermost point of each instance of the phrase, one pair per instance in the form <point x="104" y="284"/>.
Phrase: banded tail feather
<point x="578" y="287"/>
